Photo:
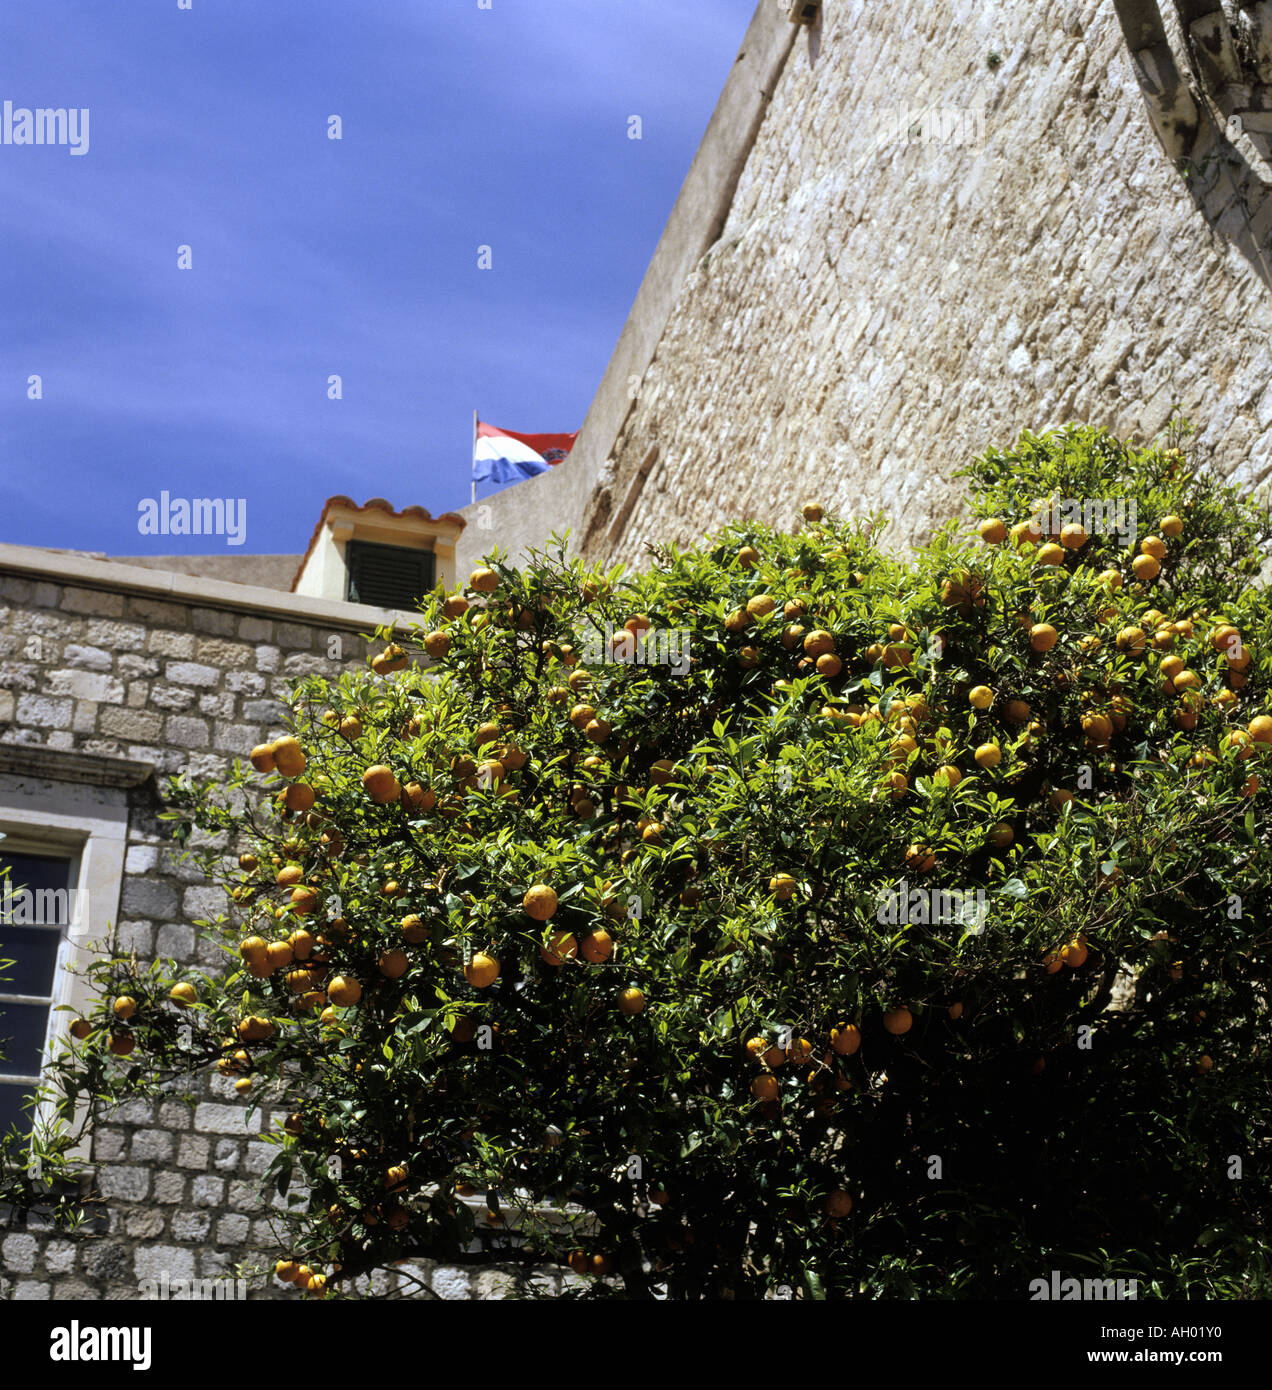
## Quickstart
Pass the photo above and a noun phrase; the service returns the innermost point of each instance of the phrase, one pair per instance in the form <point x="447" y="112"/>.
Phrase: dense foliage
<point x="653" y="898"/>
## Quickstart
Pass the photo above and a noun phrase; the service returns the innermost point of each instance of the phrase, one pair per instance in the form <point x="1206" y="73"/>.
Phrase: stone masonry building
<point x="911" y="231"/>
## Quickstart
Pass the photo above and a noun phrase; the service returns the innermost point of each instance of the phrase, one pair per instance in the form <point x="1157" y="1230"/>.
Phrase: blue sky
<point x="462" y="127"/>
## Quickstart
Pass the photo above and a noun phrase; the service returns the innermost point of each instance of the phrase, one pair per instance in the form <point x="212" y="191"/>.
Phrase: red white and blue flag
<point x="505" y="456"/>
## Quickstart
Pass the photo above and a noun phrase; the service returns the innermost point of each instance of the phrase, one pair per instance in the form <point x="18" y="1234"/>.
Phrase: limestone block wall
<point x="180" y="685"/>
<point x="955" y="222"/>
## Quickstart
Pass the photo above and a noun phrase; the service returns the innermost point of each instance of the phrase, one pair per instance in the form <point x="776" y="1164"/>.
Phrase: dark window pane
<point x="22" y="1029"/>
<point x="11" y="1111"/>
<point x="33" y="951"/>
<point x="388" y="576"/>
<point x="36" y="888"/>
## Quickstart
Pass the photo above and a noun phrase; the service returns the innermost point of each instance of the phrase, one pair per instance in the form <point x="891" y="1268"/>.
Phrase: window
<point x="63" y="823"/>
<point x="36" y="912"/>
<point x="387" y="576"/>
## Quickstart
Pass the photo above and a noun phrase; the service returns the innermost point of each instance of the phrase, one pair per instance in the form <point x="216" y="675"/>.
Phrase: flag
<point x="505" y="456"/>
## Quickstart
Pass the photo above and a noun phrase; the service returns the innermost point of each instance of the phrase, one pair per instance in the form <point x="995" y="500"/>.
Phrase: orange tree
<point x="789" y="917"/>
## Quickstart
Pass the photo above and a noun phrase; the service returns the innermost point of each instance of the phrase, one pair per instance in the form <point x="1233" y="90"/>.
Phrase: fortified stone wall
<point x="952" y="222"/>
<point x="956" y="222"/>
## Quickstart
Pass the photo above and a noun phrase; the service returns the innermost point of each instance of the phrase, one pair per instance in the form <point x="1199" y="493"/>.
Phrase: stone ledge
<point x="60" y="765"/>
<point x="76" y="570"/>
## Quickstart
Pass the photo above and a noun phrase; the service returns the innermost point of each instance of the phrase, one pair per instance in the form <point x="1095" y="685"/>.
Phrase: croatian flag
<point x="504" y="456"/>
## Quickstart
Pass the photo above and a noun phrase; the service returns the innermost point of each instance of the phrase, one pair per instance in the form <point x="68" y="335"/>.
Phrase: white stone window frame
<point x="80" y="813"/>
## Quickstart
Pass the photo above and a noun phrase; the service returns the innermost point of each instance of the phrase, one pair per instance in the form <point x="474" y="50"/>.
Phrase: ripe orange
<point x="344" y="990"/>
<point x="484" y="580"/>
<point x="993" y="530"/>
<point x="121" y="1044"/>
<point x="1260" y="728"/>
<point x="631" y="1002"/>
<point x="1042" y="637"/>
<point x="898" y="1021"/>
<point x="125" y="1007"/>
<point x="963" y="592"/>
<point x="81" y="1028"/>
<point x="812" y="512"/>
<point x="988" y="755"/>
<point x="381" y="785"/>
<point x="754" y="1047"/>
<point x="1073" y="954"/>
<point x="765" y="1087"/>
<point x="262" y="757"/>
<point x="289" y="757"/>
<point x="1018" y="711"/>
<point x="304" y="900"/>
<point x="1001" y="835"/>
<point x="1097" y="727"/>
<point x="782" y="887"/>
<point x="920" y="858"/>
<point x="818" y="643"/>
<point x="437" y="644"/>
<point x="980" y="697"/>
<point x="582" y="715"/>
<point x="563" y="946"/>
<point x="948" y="776"/>
<point x="1154" y="546"/>
<point x="1073" y="536"/>
<point x="1111" y="579"/>
<point x="1146" y="568"/>
<point x="838" y="1204"/>
<point x="482" y="970"/>
<point x="183" y="995"/>
<point x="845" y="1039"/>
<point x="299" y="797"/>
<point x="1050" y="554"/>
<point x="1131" y="639"/>
<point x="955" y="1010"/>
<point x="597" y="946"/>
<point x="540" y="902"/>
<point x="1171" y="525"/>
<point x="394" y="964"/>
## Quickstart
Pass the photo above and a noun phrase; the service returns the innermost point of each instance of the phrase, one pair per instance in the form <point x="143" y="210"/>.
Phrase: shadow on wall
<point x="1211" y="107"/>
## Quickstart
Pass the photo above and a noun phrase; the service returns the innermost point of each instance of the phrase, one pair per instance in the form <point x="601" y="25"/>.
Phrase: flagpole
<point x="474" y="453"/>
